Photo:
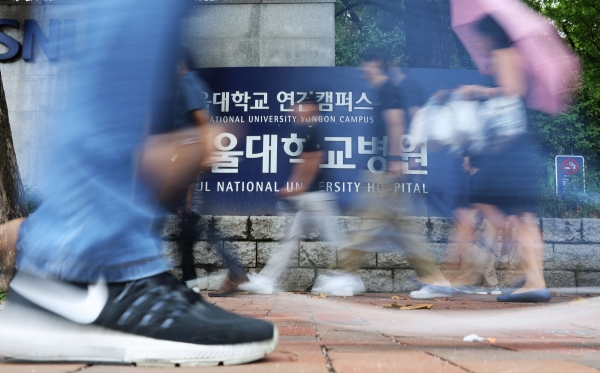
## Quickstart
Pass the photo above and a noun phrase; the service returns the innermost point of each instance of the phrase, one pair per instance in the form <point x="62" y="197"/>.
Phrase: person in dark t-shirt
<point x="302" y="200"/>
<point x="190" y="110"/>
<point x="385" y="224"/>
<point x="411" y="96"/>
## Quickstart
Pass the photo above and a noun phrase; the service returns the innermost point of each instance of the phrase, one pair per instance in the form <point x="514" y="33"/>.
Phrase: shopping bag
<point x="469" y="125"/>
<point x="505" y="120"/>
<point x="169" y="163"/>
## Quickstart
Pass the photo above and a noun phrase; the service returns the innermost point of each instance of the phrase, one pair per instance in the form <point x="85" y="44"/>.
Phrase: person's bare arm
<point x="509" y="74"/>
<point x="305" y="172"/>
<point x="394" y="121"/>
<point x="207" y="133"/>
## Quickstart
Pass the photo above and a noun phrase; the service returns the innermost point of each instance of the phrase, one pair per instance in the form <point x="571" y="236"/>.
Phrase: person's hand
<point x="467" y="91"/>
<point x="395" y="168"/>
<point x="283" y="193"/>
<point x="475" y="92"/>
<point x="184" y="210"/>
<point x="207" y="162"/>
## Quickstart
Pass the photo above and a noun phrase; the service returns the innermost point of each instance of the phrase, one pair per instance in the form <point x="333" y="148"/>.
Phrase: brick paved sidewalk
<point x="361" y="334"/>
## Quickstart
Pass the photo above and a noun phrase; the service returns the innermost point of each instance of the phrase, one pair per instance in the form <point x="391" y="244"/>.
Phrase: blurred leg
<point x="531" y="248"/>
<point x="90" y="225"/>
<point x="189" y="234"/>
<point x="9" y="233"/>
<point x="280" y="260"/>
<point x="93" y="227"/>
<point x="488" y="270"/>
<point x="405" y="236"/>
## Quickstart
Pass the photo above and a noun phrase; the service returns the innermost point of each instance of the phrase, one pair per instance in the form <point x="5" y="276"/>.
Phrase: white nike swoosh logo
<point x="71" y="302"/>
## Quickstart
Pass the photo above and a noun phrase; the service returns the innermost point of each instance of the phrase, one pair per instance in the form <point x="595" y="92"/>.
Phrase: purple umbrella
<point x="551" y="66"/>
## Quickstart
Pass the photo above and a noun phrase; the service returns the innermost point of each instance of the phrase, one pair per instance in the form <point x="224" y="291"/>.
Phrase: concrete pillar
<point x="262" y="33"/>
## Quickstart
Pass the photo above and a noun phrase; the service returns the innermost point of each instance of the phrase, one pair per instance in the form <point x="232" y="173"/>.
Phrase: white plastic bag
<point x="505" y="117"/>
<point x="468" y="124"/>
<point x="433" y="122"/>
<point x="465" y="124"/>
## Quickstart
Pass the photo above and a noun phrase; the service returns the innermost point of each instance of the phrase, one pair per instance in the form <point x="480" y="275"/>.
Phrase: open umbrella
<point x="552" y="68"/>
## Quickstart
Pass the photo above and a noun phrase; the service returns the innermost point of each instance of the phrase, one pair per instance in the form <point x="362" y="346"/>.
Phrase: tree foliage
<point x="577" y="131"/>
<point x="415" y="32"/>
<point x="362" y="24"/>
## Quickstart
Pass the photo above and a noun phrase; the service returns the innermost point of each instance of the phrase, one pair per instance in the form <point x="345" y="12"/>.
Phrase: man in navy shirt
<point x="191" y="110"/>
<point x="385" y="225"/>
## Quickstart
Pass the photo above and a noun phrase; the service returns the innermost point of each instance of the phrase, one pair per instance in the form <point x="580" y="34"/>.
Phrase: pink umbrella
<point x="552" y="68"/>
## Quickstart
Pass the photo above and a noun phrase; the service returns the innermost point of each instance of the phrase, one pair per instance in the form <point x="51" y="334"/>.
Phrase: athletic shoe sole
<point x="458" y="291"/>
<point x="257" y="289"/>
<point x="29" y="334"/>
<point x="430" y="295"/>
<point x="346" y="291"/>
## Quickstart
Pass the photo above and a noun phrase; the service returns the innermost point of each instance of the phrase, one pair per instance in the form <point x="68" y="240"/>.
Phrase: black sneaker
<point x="152" y="321"/>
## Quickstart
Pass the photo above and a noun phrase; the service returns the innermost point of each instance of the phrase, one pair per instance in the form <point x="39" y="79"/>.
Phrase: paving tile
<point x="388" y="361"/>
<point x="263" y="366"/>
<point x="297" y="338"/>
<point x="535" y="345"/>
<point x="524" y="366"/>
<point x="125" y="369"/>
<point x="499" y="360"/>
<point x="299" y="351"/>
<point x="310" y="345"/>
<point x="344" y="317"/>
<point x="39" y="368"/>
<point x="350" y="348"/>
<point x="420" y="342"/>
<point x="292" y="313"/>
<point x="297" y="330"/>
<point x="362" y="336"/>
<point x="297" y="323"/>
<point x="353" y="337"/>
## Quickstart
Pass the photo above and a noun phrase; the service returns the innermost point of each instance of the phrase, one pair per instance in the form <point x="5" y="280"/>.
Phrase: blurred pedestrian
<point x="478" y="244"/>
<point x="386" y="225"/>
<point x="302" y="201"/>
<point x="91" y="283"/>
<point x="191" y="110"/>
<point x="505" y="190"/>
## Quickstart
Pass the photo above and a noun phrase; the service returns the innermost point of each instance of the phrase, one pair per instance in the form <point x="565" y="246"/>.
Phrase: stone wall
<point x="571" y="253"/>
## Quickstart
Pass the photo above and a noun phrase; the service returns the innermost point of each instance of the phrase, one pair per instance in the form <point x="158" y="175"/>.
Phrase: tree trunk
<point x="12" y="195"/>
<point x="429" y="38"/>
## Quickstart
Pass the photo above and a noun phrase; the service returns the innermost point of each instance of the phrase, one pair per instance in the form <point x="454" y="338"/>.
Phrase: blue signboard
<point x="262" y="139"/>
<point x="569" y="167"/>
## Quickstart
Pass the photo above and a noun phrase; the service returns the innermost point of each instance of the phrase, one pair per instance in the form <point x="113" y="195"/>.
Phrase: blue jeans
<point x="95" y="219"/>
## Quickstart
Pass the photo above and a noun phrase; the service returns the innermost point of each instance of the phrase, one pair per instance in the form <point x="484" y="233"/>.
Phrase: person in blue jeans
<point x="91" y="284"/>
